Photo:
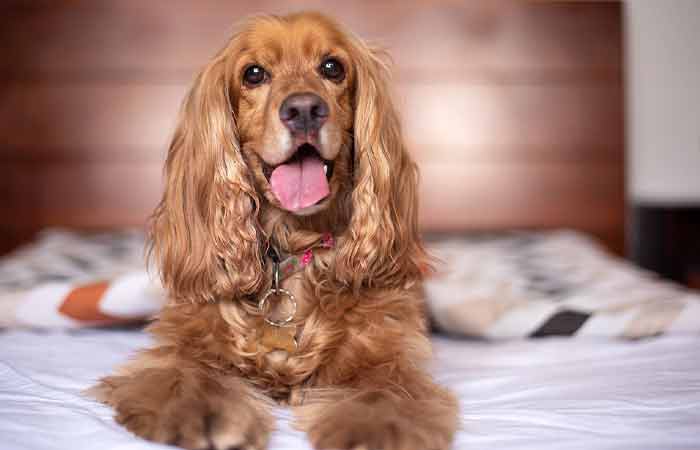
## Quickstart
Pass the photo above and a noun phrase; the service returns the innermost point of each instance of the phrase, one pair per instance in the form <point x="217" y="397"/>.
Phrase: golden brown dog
<point x="287" y="134"/>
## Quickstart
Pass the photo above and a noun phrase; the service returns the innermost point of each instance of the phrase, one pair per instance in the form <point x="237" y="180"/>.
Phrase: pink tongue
<point x="299" y="184"/>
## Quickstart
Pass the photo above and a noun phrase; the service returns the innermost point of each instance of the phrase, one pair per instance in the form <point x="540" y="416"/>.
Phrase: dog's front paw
<point x="198" y="426"/>
<point x="206" y="424"/>
<point x="381" y="425"/>
<point x="168" y="407"/>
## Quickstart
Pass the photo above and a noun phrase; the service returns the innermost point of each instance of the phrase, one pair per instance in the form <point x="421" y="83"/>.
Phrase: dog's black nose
<point x="304" y="113"/>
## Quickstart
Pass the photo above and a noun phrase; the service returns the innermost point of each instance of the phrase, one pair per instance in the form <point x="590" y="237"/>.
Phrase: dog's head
<point x="292" y="114"/>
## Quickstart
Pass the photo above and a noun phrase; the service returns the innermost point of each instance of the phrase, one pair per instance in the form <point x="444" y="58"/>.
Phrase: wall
<point x="513" y="109"/>
<point x="663" y="67"/>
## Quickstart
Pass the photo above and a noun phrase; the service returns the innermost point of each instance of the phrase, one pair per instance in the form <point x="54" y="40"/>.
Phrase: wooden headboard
<point x="514" y="110"/>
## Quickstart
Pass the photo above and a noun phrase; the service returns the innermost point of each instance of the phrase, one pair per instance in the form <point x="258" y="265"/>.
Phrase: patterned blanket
<point x="521" y="284"/>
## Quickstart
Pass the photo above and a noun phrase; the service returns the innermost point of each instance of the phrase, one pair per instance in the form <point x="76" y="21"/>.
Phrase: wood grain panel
<point x="86" y="121"/>
<point x="465" y="122"/>
<point x="540" y="195"/>
<point x="453" y="195"/>
<point x="83" y="195"/>
<point x="450" y="121"/>
<point x="167" y="40"/>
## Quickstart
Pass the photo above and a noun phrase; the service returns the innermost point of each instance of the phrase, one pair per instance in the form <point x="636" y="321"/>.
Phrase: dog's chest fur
<point x="340" y="331"/>
<point x="276" y="371"/>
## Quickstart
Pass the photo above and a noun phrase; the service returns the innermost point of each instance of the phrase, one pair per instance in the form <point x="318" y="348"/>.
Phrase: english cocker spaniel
<point x="288" y="242"/>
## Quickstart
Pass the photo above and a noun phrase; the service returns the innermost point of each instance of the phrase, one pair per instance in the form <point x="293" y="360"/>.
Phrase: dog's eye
<point x="332" y="69"/>
<point x="254" y="75"/>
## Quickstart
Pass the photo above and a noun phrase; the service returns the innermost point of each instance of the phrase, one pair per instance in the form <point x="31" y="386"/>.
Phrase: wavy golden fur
<point x="354" y="380"/>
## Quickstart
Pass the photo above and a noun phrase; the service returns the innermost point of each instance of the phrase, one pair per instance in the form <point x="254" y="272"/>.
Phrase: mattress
<point x="550" y="393"/>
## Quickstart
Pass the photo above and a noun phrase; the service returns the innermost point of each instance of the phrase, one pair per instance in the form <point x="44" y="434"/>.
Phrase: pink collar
<point x="295" y="263"/>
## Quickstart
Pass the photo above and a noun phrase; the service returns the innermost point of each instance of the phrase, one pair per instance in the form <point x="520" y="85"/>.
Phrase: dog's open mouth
<point x="302" y="180"/>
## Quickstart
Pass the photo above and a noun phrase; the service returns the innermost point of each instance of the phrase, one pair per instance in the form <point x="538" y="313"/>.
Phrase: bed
<point x="554" y="393"/>
<point x="540" y="147"/>
<point x="526" y="374"/>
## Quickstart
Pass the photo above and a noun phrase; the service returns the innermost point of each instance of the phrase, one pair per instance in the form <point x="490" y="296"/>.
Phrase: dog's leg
<point x="399" y="411"/>
<point x="168" y="400"/>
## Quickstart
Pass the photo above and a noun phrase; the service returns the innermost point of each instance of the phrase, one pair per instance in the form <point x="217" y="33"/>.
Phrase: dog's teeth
<point x="325" y="169"/>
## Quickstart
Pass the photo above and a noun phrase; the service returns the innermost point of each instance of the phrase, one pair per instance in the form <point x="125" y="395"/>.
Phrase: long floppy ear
<point x="203" y="233"/>
<point x="382" y="245"/>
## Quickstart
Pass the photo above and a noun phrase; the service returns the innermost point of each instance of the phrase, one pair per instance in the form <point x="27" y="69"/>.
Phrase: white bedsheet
<point x="530" y="394"/>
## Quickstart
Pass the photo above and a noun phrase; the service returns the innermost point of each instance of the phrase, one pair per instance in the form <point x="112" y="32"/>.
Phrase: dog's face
<point x="292" y="94"/>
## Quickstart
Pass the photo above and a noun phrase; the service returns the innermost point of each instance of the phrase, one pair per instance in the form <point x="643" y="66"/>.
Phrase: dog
<point x="287" y="240"/>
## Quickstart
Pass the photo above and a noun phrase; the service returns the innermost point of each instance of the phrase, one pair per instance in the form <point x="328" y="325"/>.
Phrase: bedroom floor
<point x="528" y="394"/>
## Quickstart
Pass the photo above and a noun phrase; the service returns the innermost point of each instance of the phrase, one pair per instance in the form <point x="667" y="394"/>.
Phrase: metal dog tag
<point x="276" y="333"/>
<point x="278" y="338"/>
